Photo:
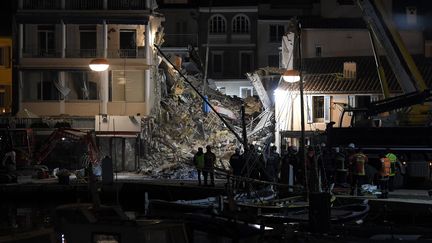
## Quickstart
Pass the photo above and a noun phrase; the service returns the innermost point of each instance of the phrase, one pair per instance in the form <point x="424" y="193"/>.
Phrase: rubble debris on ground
<point x="179" y="126"/>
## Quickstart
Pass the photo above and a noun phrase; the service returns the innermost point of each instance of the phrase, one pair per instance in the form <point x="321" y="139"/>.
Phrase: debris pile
<point x="179" y="126"/>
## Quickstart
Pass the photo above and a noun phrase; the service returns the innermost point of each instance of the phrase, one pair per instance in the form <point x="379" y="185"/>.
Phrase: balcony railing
<point x="36" y="52"/>
<point x="84" y="53"/>
<point x="180" y="40"/>
<point x="85" y="4"/>
<point x="41" y="4"/>
<point x="127" y="4"/>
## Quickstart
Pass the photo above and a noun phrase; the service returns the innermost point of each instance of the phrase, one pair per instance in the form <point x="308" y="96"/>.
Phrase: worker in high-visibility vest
<point x="384" y="174"/>
<point x="358" y="171"/>
<point x="393" y="162"/>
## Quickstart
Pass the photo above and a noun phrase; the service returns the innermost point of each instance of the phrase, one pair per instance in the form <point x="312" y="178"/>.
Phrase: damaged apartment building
<point x="142" y="112"/>
<point x="54" y="42"/>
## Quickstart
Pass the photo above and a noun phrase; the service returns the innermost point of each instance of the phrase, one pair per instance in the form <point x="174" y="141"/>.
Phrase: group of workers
<point x="204" y="164"/>
<point x="322" y="168"/>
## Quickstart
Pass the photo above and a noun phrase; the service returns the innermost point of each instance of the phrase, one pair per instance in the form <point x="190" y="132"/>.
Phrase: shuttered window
<point x="327" y="111"/>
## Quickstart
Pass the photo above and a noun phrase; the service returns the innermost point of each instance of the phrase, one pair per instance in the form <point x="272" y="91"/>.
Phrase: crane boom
<point x="401" y="62"/>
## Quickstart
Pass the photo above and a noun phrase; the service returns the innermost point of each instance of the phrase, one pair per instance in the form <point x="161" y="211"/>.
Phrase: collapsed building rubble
<point x="179" y="125"/>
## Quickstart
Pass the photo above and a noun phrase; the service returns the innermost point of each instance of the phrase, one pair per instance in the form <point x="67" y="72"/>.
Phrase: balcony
<point x="84" y="4"/>
<point x="45" y="53"/>
<point x="84" y="53"/>
<point x="180" y="40"/>
<point x="127" y="4"/>
<point x="41" y="4"/>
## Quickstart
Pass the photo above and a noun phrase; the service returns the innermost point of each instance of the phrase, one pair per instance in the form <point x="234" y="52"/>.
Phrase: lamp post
<point x="101" y="65"/>
<point x="293" y="76"/>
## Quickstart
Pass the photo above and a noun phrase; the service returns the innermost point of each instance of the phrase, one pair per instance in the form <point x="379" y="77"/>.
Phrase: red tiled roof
<point x="324" y="75"/>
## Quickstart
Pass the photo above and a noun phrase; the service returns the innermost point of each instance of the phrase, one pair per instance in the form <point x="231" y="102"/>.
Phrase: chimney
<point x="350" y="70"/>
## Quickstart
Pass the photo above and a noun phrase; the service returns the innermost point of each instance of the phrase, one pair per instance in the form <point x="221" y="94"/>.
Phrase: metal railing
<point x="180" y="40"/>
<point x="84" y="53"/>
<point x="127" y="4"/>
<point x="41" y="4"/>
<point x="36" y="52"/>
<point x="84" y="4"/>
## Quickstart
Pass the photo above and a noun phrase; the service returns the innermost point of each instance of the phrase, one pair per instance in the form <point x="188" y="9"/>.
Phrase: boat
<point x="224" y="227"/>
<point x="177" y="209"/>
<point x="86" y="223"/>
<point x="338" y="215"/>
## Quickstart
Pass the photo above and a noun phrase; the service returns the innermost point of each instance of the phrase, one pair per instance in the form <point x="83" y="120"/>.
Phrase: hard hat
<point x="351" y="145"/>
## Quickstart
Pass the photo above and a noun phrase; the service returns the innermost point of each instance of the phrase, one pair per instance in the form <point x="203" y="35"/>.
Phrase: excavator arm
<point x="73" y="134"/>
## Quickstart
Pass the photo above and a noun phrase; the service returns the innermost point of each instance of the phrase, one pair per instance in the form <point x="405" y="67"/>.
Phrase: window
<point x="4" y="57"/>
<point x="128" y="43"/>
<point x="217" y="24"/>
<point x="318" y="50"/>
<point x="246" y="92"/>
<point x="82" y="85"/>
<point x="318" y="109"/>
<point x="246" y="62"/>
<point x="127" y="85"/>
<point x="411" y="15"/>
<point x="2" y="98"/>
<point x="217" y="62"/>
<point x="276" y="33"/>
<point x="46" y="40"/>
<point x="273" y="60"/>
<point x="88" y="41"/>
<point x="240" y="24"/>
<point x="44" y="85"/>
<point x="359" y="101"/>
<point x="40" y="85"/>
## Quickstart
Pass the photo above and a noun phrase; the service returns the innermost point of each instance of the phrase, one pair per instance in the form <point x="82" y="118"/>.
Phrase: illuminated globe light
<point x="291" y="76"/>
<point x="99" y="64"/>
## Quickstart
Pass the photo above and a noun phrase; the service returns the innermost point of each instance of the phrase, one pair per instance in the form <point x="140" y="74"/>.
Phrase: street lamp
<point x="99" y="64"/>
<point x="293" y="76"/>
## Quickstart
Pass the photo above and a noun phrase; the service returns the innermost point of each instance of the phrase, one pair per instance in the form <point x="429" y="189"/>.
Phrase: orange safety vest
<point x="359" y="160"/>
<point x="385" y="166"/>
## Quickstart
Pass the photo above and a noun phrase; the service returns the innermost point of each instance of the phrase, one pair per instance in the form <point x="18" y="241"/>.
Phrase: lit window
<point x="318" y="108"/>
<point x="240" y="24"/>
<point x="217" y="24"/>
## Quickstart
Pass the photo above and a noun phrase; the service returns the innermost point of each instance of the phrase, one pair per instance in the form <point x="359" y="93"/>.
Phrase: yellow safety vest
<point x="393" y="159"/>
